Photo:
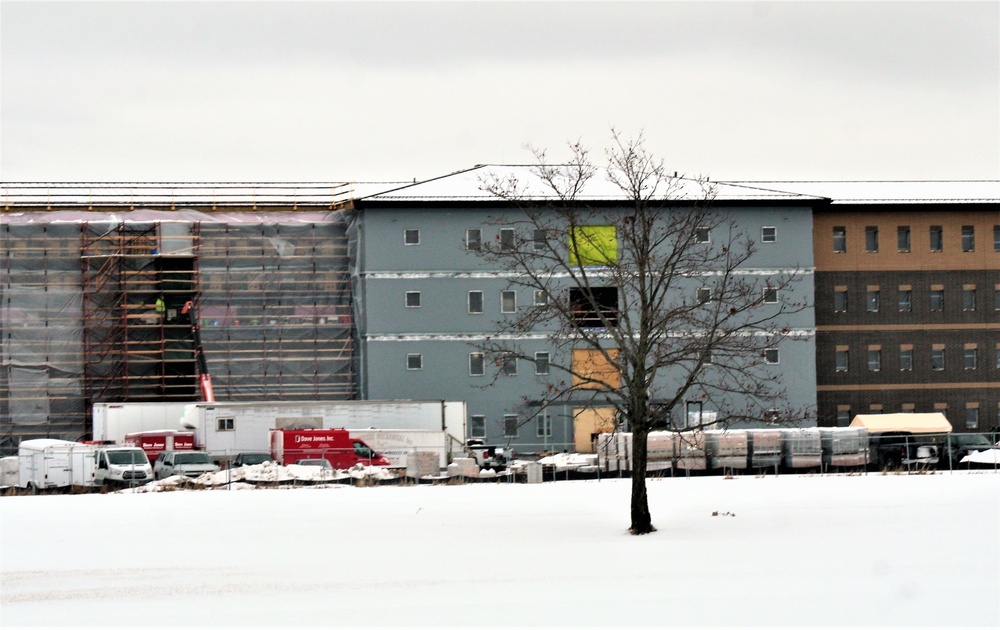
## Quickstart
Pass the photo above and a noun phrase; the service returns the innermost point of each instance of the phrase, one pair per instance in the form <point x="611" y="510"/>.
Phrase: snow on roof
<point x="886" y="192"/>
<point x="469" y="185"/>
<point x="190" y="194"/>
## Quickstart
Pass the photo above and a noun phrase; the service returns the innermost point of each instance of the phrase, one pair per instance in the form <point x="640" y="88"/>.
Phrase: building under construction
<point x="135" y="292"/>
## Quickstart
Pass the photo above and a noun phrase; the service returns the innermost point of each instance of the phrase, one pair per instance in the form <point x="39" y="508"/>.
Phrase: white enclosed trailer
<point x="397" y="445"/>
<point x="224" y="429"/>
<point x="113" y="421"/>
<point x="47" y="463"/>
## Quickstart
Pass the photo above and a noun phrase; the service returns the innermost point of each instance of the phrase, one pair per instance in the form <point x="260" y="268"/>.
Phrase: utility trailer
<point x="46" y="464"/>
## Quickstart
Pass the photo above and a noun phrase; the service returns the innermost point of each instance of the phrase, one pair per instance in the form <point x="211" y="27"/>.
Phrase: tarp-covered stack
<point x="801" y="448"/>
<point x="765" y="448"/>
<point x="844" y="447"/>
<point x="727" y="449"/>
<point x="691" y="450"/>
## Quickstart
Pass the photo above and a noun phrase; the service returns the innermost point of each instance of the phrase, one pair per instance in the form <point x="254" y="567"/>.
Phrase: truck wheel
<point x="891" y="461"/>
<point x="32" y="488"/>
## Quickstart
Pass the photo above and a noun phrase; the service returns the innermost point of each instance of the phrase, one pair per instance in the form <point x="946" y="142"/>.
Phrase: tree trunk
<point x="642" y="522"/>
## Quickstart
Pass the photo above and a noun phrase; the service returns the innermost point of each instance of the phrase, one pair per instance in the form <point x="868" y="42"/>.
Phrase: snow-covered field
<point x="868" y="550"/>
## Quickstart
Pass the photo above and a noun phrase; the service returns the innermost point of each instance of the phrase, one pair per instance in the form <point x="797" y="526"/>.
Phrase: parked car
<point x="322" y="463"/>
<point x="958" y="445"/>
<point x="186" y="463"/>
<point x="250" y="459"/>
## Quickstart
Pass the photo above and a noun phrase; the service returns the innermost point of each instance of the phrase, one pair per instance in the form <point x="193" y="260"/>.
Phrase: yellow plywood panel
<point x="592" y="364"/>
<point x="593" y="246"/>
<point x="587" y="423"/>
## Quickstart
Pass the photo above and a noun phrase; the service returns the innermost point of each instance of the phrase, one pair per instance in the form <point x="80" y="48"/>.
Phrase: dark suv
<point x="249" y="459"/>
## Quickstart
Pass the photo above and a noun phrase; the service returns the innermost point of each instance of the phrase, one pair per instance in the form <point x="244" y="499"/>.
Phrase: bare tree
<point x="642" y="294"/>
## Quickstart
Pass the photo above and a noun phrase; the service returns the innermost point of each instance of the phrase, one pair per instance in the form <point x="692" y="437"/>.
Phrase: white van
<point x="123" y="466"/>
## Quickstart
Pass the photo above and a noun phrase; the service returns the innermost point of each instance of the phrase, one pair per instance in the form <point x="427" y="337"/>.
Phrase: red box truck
<point x="334" y="445"/>
<point x="155" y="442"/>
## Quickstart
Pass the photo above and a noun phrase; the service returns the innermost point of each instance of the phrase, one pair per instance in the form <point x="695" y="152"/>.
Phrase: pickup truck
<point x="187" y="463"/>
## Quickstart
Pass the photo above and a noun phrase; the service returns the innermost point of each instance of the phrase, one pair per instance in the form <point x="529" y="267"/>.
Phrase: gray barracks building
<point x="345" y="291"/>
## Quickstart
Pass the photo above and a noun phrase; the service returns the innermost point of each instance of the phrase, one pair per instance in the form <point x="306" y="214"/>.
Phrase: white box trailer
<point x="226" y="428"/>
<point x="47" y="463"/>
<point x="113" y="421"/>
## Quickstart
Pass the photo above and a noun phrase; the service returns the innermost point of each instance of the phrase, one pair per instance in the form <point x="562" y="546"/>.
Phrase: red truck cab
<point x="155" y="442"/>
<point x="334" y="445"/>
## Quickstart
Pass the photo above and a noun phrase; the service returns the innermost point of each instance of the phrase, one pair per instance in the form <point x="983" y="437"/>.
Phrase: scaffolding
<point x="96" y="305"/>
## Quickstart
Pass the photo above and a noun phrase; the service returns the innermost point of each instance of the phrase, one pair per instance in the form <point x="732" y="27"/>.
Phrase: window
<point x="771" y="355"/>
<point x="937" y="238"/>
<point x="770" y="296"/>
<point x="968" y="238"/>
<point x="768" y="234"/>
<point x="538" y="240"/>
<point x="477" y="426"/>
<point x="937" y="299"/>
<point x="475" y="302"/>
<point x="477" y="364"/>
<point x="544" y="426"/>
<point x="972" y="418"/>
<point x="906" y="359"/>
<point x="702" y="235"/>
<point x="411" y="237"/>
<point x="508" y="301"/>
<point x="840" y="301"/>
<point x="843" y="360"/>
<point x="541" y="363"/>
<point x="874" y="360"/>
<point x="225" y="424"/>
<point x="969" y="358"/>
<point x="593" y="246"/>
<point x="996" y="238"/>
<point x="843" y="417"/>
<point x="413" y="299"/>
<point x="937" y="359"/>
<point x="839" y="239"/>
<point x="871" y="238"/>
<point x="905" y="300"/>
<point x="903" y="238"/>
<point x="414" y="362"/>
<point x="474" y="239"/>
<point x="507" y="239"/>
<point x="704" y="295"/>
<point x="541" y="297"/>
<point x="590" y="304"/>
<point x="509" y="366"/>
<point x="996" y="299"/>
<point x="872" y="300"/>
<point x="510" y="425"/>
<point x="968" y="299"/>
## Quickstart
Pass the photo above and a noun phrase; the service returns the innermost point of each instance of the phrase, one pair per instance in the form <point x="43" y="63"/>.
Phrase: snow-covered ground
<point x="794" y="550"/>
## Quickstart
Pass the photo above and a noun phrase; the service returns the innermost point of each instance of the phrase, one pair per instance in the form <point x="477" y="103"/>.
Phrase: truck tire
<point x="890" y="461"/>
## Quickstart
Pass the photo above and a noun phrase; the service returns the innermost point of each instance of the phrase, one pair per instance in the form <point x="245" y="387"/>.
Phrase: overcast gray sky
<point x="336" y="91"/>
